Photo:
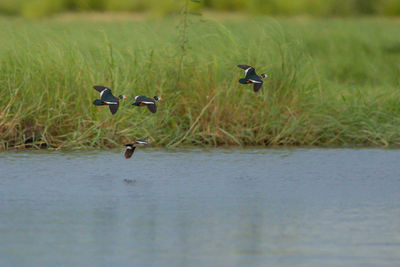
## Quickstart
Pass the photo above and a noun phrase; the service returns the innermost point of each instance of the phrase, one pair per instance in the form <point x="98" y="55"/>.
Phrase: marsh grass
<point x="332" y="82"/>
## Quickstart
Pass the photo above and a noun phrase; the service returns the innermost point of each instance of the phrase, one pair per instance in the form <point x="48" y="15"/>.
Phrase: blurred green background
<point x="42" y="8"/>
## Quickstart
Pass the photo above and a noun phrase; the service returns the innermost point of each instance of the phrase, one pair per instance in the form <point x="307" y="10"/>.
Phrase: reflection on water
<point x="310" y="207"/>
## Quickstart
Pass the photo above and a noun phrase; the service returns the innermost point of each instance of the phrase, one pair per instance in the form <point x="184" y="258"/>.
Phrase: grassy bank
<point x="332" y="82"/>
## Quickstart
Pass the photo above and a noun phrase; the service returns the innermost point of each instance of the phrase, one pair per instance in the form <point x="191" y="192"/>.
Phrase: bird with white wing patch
<point x="252" y="77"/>
<point x="107" y="98"/>
<point x="149" y="102"/>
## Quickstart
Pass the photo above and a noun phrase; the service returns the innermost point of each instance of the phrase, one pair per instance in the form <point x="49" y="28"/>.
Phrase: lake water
<point x="285" y="207"/>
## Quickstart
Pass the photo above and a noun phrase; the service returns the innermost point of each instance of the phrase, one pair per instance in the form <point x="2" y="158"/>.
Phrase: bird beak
<point x="160" y="99"/>
<point x="125" y="97"/>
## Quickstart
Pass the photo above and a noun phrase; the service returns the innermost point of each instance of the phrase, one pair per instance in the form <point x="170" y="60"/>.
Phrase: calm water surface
<point x="301" y="207"/>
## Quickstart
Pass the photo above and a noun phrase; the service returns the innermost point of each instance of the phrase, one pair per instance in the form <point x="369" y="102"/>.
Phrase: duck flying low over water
<point x="107" y="98"/>
<point x="142" y="100"/>
<point x="130" y="148"/>
<point x="252" y="77"/>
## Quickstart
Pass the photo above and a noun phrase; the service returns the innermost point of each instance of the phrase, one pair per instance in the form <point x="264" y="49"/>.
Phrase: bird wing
<point x="141" y="98"/>
<point x="107" y="96"/>
<point x="99" y="88"/>
<point x="245" y="67"/>
<point x="152" y="107"/>
<point x="147" y="139"/>
<point x="257" y="86"/>
<point x="104" y="92"/>
<point x="249" y="70"/>
<point x="143" y="142"/>
<point x="129" y="151"/>
<point x="255" y="80"/>
<point x="114" y="108"/>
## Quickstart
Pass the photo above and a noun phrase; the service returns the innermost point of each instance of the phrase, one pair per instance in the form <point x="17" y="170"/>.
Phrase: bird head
<point x="157" y="98"/>
<point x="122" y="97"/>
<point x="264" y="76"/>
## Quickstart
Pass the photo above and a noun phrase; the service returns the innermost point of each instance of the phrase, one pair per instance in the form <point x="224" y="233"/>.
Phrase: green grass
<point x="332" y="82"/>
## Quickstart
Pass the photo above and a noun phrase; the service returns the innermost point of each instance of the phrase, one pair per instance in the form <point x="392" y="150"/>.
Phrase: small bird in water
<point x="130" y="148"/>
<point x="142" y="100"/>
<point x="107" y="98"/>
<point x="252" y="77"/>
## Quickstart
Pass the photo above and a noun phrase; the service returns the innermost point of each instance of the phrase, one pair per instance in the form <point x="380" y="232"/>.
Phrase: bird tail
<point x="98" y="102"/>
<point x="243" y="81"/>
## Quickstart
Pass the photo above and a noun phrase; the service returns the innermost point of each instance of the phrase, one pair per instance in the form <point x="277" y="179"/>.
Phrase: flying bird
<point x="252" y="77"/>
<point x="142" y="100"/>
<point x="130" y="148"/>
<point x="107" y="98"/>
